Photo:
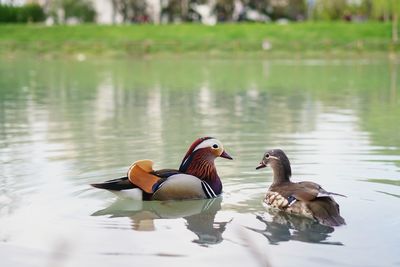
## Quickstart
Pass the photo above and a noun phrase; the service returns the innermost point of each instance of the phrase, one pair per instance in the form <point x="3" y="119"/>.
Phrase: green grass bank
<point x="310" y="39"/>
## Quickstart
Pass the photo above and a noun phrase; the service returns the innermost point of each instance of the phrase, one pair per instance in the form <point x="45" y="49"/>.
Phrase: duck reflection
<point x="199" y="216"/>
<point x="283" y="227"/>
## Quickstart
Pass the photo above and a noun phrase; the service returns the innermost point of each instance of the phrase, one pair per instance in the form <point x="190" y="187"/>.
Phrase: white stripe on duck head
<point x="199" y="161"/>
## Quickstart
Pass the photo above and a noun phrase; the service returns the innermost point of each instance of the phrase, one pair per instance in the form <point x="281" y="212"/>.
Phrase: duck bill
<point x="262" y="165"/>
<point x="225" y="155"/>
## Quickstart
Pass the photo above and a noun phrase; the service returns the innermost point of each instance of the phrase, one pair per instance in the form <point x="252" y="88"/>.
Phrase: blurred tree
<point x="114" y="11"/>
<point x="172" y="10"/>
<point x="296" y="10"/>
<point x="185" y="9"/>
<point x="130" y="10"/>
<point x="224" y="10"/>
<point x="179" y="10"/>
<point x="32" y="13"/>
<point x="63" y="10"/>
<point x="21" y="14"/>
<point x="262" y="6"/>
<point x="387" y="9"/>
<point x="121" y="6"/>
<point x="138" y="11"/>
<point x="330" y="10"/>
<point x="381" y="9"/>
<point x="277" y="9"/>
<point x="80" y="9"/>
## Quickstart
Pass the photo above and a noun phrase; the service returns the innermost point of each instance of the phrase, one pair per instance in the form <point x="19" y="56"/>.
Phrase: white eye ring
<point x="266" y="155"/>
<point x="215" y="146"/>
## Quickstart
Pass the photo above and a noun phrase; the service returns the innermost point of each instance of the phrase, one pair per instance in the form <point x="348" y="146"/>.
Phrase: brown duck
<point x="304" y="198"/>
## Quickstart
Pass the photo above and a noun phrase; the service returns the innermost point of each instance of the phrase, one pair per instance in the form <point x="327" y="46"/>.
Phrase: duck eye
<point x="215" y="146"/>
<point x="266" y="156"/>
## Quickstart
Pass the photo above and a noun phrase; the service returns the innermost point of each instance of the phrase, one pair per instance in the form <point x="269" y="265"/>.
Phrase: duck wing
<point x="326" y="211"/>
<point x="319" y="201"/>
<point x="165" y="173"/>
<point x="123" y="183"/>
<point x="304" y="191"/>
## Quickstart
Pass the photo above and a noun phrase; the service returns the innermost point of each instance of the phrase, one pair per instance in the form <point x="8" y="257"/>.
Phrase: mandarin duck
<point x="196" y="178"/>
<point x="303" y="198"/>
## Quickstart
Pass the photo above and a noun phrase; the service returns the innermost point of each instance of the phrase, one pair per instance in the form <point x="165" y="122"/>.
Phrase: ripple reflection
<point x="199" y="215"/>
<point x="283" y="227"/>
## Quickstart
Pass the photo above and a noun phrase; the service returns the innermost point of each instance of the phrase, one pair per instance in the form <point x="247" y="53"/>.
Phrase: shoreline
<point x="325" y="56"/>
<point x="307" y="40"/>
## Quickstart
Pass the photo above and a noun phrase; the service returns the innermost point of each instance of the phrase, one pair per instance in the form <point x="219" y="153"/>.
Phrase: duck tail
<point x="323" y="193"/>
<point x="336" y="194"/>
<point x="326" y="211"/>
<point x="115" y="184"/>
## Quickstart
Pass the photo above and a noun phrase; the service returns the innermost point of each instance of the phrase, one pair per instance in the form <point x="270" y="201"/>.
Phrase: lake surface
<point x="66" y="124"/>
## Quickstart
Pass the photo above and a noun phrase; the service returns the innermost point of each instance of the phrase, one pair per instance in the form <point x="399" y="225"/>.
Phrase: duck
<point x="196" y="178"/>
<point x="306" y="198"/>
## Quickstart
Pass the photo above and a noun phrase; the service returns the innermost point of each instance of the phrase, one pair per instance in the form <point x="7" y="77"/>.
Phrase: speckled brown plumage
<point x="304" y="198"/>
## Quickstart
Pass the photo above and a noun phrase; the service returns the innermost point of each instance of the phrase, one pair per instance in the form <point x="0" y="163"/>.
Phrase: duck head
<point x="199" y="159"/>
<point x="279" y="163"/>
<point x="206" y="148"/>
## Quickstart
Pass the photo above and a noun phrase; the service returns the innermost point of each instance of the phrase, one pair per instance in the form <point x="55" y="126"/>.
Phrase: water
<point x="65" y="124"/>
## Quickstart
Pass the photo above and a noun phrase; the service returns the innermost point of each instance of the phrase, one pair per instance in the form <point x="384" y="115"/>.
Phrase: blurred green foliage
<point x="63" y="10"/>
<point x="21" y="14"/>
<point x="384" y="9"/>
<point x="82" y="10"/>
<point x="173" y="11"/>
<point x="331" y="10"/>
<point x="354" y="10"/>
